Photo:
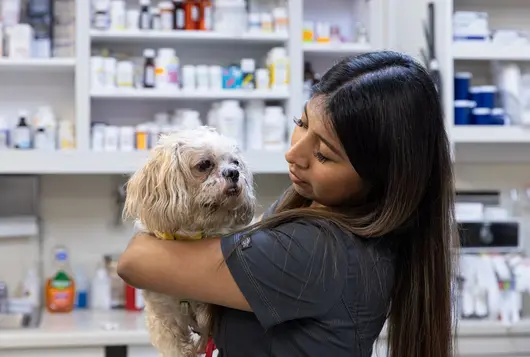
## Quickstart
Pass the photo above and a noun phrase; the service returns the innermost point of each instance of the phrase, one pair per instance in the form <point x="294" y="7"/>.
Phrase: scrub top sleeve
<point x="290" y="272"/>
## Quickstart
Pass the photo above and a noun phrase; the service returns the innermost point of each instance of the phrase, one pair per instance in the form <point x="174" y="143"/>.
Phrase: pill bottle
<point x="98" y="136"/>
<point x="202" y="77"/>
<point x="127" y="138"/>
<point x="280" y="19"/>
<point x="144" y="18"/>
<point x="267" y="23"/>
<point x="117" y="15"/>
<point x="205" y="15"/>
<point x="149" y="69"/>
<point x="191" y="10"/>
<point x="112" y="138"/>
<point x="179" y="15"/>
<point x="125" y="74"/>
<point x="248" y="77"/>
<point x="167" y="69"/>
<point x="262" y="79"/>
<point x="166" y="15"/>
<point x="142" y="137"/>
<point x="189" y="78"/>
<point x="66" y="135"/>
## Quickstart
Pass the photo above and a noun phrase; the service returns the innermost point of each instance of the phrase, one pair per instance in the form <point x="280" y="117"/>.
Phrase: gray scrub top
<point x="308" y="299"/>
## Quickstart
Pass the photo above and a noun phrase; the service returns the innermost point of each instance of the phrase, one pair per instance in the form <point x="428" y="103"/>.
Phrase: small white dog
<point x="194" y="185"/>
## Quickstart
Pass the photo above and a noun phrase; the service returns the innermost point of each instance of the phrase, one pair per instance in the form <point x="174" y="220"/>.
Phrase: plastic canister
<point x="274" y="129"/>
<point x="190" y="120"/>
<point x="482" y="116"/>
<point x="463" y="111"/>
<point x="66" y="134"/>
<point x="215" y="75"/>
<point x="262" y="79"/>
<point x="127" y="138"/>
<point x="254" y="112"/>
<point x="142" y="137"/>
<point x="117" y="15"/>
<point x="97" y="72"/>
<point x="98" y="136"/>
<point x="497" y="116"/>
<point x="462" y="82"/>
<point x="109" y="69"/>
<point x="487" y="97"/>
<point x="474" y="94"/>
<point x="231" y="121"/>
<point x="189" y="78"/>
<point x="230" y="16"/>
<point x="167" y="69"/>
<point x="278" y="63"/>
<point x="125" y="74"/>
<point x="112" y="138"/>
<point x="281" y="20"/>
<point x="202" y="77"/>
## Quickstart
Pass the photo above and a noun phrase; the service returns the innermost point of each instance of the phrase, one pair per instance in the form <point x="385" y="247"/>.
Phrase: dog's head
<point x="194" y="180"/>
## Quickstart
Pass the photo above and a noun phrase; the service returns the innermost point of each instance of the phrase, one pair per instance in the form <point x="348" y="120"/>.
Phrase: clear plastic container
<point x="230" y="16"/>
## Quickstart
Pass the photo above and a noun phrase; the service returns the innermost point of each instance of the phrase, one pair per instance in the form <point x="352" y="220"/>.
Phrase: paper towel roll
<point x="509" y="85"/>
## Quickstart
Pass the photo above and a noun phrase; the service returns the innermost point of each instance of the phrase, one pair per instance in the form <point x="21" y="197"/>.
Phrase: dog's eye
<point x="204" y="165"/>
<point x="235" y="162"/>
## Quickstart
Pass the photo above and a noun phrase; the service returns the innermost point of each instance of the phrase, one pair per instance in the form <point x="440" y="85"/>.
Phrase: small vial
<point x="148" y="80"/>
<point x="144" y="19"/>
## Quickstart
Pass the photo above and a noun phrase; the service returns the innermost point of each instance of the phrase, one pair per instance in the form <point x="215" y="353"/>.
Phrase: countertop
<point x="80" y="328"/>
<point x="111" y="328"/>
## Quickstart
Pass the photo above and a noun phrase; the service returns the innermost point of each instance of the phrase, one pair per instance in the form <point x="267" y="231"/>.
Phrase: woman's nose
<point x="298" y="153"/>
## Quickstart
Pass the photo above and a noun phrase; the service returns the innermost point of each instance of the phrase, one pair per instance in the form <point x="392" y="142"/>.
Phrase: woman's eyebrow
<point x="325" y="141"/>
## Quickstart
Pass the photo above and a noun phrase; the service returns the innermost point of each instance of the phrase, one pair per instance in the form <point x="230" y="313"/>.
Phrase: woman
<point x="364" y="233"/>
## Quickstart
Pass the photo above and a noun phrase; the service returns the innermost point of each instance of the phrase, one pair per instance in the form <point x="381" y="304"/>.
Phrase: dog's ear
<point x="153" y="193"/>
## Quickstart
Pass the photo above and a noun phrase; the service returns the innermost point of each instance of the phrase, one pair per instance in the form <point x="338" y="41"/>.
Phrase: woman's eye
<point x="204" y="165"/>
<point x="320" y="157"/>
<point x="299" y="122"/>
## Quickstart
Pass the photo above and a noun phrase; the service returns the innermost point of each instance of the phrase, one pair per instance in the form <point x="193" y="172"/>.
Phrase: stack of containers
<point x="476" y="105"/>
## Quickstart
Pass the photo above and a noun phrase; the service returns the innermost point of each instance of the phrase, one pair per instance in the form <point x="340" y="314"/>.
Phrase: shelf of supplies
<point x="23" y="226"/>
<point x="487" y="51"/>
<point x="334" y="48"/>
<point x="37" y="64"/>
<point x="191" y="95"/>
<point x="490" y="134"/>
<point x="135" y="36"/>
<point x="90" y="162"/>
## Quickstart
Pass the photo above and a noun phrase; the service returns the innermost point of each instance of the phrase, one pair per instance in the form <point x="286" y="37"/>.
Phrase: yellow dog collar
<point x="179" y="236"/>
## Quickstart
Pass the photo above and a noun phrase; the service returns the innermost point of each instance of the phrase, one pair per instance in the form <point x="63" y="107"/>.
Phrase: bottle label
<point x="149" y="76"/>
<point x="22" y="138"/>
<point x="138" y="299"/>
<point x="180" y="19"/>
<point x="173" y="73"/>
<point x="144" y="20"/>
<point x="194" y="13"/>
<point x="248" y="81"/>
<point x="207" y="18"/>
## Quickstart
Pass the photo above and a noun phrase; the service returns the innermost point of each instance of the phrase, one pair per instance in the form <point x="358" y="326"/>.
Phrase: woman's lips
<point x="295" y="179"/>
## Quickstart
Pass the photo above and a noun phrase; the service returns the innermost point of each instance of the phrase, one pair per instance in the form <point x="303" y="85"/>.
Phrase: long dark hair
<point x="386" y="112"/>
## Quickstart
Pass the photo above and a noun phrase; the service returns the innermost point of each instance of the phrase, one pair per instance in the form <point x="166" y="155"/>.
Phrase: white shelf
<point x="490" y="134"/>
<point x="179" y="36"/>
<point x="88" y="162"/>
<point x="37" y="64"/>
<point x="487" y="51"/>
<point x="195" y="95"/>
<point x="334" y="48"/>
<point x="13" y="227"/>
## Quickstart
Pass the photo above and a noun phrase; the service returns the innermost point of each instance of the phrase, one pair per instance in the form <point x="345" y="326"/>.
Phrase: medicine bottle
<point x="179" y="15"/>
<point x="22" y="132"/>
<point x="166" y="15"/>
<point x="205" y="15"/>
<point x="155" y="19"/>
<point x="192" y="14"/>
<point x="144" y="20"/>
<point x="148" y="74"/>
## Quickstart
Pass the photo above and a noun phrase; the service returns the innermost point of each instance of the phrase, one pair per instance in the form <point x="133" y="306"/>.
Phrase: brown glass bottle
<point x="179" y="15"/>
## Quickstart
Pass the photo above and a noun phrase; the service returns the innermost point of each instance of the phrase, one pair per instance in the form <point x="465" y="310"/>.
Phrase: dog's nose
<point x="231" y="174"/>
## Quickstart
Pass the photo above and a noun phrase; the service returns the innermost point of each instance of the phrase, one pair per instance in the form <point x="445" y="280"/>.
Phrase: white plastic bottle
<point x="231" y="121"/>
<point x="278" y="63"/>
<point x="190" y="120"/>
<point x="66" y="135"/>
<point x="254" y="111"/>
<point x="100" y="290"/>
<point x="274" y="129"/>
<point x="211" y="119"/>
<point x="46" y="129"/>
<point x="167" y="70"/>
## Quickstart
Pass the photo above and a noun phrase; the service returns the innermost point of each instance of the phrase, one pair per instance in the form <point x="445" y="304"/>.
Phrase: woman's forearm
<point x="186" y="269"/>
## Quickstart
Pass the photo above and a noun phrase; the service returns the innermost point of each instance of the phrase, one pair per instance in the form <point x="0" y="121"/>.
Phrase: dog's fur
<point x="186" y="188"/>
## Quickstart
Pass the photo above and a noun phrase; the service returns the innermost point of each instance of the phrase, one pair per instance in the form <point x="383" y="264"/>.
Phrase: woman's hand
<point x="187" y="269"/>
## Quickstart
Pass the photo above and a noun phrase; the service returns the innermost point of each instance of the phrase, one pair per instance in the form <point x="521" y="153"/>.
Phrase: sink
<point x="19" y="320"/>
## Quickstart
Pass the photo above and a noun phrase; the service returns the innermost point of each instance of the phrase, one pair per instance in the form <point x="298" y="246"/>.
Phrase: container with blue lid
<point x="463" y="111"/>
<point x="481" y="116"/>
<point x="462" y="83"/>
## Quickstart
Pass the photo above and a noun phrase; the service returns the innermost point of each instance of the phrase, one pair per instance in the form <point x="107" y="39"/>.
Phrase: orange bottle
<point x="60" y="287"/>
<point x="191" y="13"/>
<point x="205" y="15"/>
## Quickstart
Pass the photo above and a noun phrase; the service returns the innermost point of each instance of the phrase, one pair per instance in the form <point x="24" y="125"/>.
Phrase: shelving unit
<point x="476" y="143"/>
<point x="71" y="93"/>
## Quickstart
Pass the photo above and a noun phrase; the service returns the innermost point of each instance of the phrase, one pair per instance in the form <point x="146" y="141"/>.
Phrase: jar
<point x="262" y="79"/>
<point x="142" y="137"/>
<point x="189" y="78"/>
<point x="254" y="22"/>
<point x="267" y="23"/>
<point x="202" y="77"/>
<point x="281" y="20"/>
<point x="167" y="69"/>
<point x="125" y="74"/>
<point x="66" y="135"/>
<point x="166" y="15"/>
<point x="117" y="15"/>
